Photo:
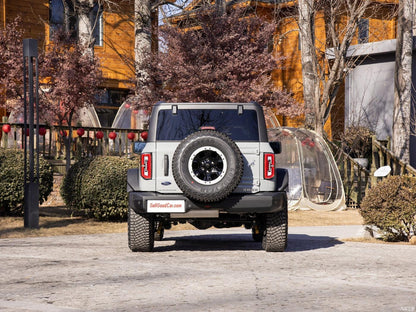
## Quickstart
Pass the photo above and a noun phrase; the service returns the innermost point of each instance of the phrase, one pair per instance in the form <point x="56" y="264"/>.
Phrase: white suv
<point x="209" y="164"/>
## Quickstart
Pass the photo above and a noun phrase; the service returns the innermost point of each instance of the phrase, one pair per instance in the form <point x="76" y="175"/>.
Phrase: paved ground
<point x="212" y="270"/>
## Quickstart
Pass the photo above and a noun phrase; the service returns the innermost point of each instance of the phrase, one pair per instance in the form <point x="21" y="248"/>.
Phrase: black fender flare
<point x="133" y="183"/>
<point x="282" y="183"/>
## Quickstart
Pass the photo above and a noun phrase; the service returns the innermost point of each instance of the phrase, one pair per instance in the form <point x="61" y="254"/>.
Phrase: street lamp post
<point x="31" y="86"/>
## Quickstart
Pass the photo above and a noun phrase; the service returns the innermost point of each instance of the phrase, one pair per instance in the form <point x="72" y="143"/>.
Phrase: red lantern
<point x="42" y="131"/>
<point x="99" y="135"/>
<point x="135" y="111"/>
<point x="131" y="136"/>
<point x="144" y="135"/>
<point x="80" y="132"/>
<point x="112" y="135"/>
<point x="6" y="128"/>
<point x="63" y="133"/>
<point x="127" y="106"/>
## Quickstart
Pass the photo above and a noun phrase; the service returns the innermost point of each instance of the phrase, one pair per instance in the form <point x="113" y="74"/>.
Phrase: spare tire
<point x="207" y="166"/>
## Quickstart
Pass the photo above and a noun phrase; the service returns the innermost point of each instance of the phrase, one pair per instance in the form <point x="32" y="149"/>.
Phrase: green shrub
<point x="391" y="206"/>
<point x="11" y="180"/>
<point x="71" y="184"/>
<point x="98" y="187"/>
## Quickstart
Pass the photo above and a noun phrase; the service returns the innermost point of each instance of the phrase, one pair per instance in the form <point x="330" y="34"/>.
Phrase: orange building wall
<point x="116" y="53"/>
<point x="34" y="14"/>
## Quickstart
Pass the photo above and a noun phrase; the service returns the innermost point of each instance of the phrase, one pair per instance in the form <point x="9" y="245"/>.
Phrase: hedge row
<point x="97" y="187"/>
<point x="391" y="206"/>
<point x="12" y="182"/>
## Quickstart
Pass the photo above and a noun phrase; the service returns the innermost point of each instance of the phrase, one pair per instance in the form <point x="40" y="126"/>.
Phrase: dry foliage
<point x="11" y="63"/>
<point x="221" y="59"/>
<point x="391" y="206"/>
<point x="358" y="141"/>
<point x="71" y="77"/>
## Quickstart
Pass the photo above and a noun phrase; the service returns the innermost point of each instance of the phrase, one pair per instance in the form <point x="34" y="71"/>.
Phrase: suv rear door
<point x="178" y="121"/>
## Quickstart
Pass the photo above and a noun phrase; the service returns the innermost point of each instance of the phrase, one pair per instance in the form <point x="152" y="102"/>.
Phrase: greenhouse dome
<point x="314" y="179"/>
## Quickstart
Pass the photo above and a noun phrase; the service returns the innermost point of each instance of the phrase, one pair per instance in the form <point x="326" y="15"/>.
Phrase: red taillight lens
<point x="146" y="166"/>
<point x="269" y="163"/>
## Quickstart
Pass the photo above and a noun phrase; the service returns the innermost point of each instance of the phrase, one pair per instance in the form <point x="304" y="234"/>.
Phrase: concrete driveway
<point x="211" y="270"/>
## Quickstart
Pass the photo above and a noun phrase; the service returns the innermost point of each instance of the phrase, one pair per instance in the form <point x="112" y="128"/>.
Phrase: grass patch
<point x="59" y="221"/>
<point x="12" y="227"/>
<point x="324" y="218"/>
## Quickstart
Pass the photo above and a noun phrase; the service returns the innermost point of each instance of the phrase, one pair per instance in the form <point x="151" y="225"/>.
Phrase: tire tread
<point x="275" y="236"/>
<point x="140" y="232"/>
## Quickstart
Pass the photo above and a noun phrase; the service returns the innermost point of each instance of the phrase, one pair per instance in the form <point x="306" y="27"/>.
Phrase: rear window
<point x="240" y="127"/>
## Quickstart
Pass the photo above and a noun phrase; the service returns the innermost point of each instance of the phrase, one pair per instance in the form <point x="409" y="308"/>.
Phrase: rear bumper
<point x="263" y="202"/>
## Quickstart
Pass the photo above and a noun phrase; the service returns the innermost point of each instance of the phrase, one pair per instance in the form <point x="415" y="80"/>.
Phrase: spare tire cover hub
<point x="207" y="165"/>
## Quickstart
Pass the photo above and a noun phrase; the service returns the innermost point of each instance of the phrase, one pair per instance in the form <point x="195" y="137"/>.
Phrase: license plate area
<point x="166" y="206"/>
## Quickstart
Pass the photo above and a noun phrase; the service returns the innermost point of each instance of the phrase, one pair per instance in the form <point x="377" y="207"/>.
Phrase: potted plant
<point x="357" y="143"/>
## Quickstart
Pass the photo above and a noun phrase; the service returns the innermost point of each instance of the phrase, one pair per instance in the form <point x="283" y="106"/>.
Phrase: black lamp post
<point x="31" y="86"/>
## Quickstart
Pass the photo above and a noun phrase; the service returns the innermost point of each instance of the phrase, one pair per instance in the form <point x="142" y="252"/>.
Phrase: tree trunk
<point x="403" y="81"/>
<point x="143" y="38"/>
<point x="66" y="17"/>
<point x="85" y="37"/>
<point x="311" y="91"/>
<point x="221" y="7"/>
<point x="323" y="73"/>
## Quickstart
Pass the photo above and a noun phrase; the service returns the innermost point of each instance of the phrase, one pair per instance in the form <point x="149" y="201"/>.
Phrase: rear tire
<point x="141" y="231"/>
<point x="275" y="236"/>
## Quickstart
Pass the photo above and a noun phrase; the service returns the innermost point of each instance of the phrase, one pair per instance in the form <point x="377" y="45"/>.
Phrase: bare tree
<point x="143" y="38"/>
<point x="403" y="81"/>
<point x="322" y="75"/>
<point x="310" y="64"/>
<point x="146" y="23"/>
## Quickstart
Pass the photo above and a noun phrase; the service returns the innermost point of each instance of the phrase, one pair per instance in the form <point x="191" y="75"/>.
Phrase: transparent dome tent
<point x="314" y="179"/>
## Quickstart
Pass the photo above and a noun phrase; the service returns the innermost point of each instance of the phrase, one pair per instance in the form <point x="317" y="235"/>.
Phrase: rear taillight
<point x="146" y="166"/>
<point x="269" y="163"/>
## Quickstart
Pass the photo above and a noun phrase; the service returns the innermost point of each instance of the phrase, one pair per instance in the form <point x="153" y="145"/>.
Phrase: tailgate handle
<point x="166" y="165"/>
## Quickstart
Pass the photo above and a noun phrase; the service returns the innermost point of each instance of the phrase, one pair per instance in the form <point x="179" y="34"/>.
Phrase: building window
<point x="96" y="19"/>
<point x="62" y="16"/>
<point x="363" y="26"/>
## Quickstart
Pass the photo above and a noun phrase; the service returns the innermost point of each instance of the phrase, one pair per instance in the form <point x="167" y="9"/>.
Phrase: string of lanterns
<point x="80" y="132"/>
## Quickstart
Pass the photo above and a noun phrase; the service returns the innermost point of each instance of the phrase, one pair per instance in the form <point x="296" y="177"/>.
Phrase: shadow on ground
<point x="218" y="242"/>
